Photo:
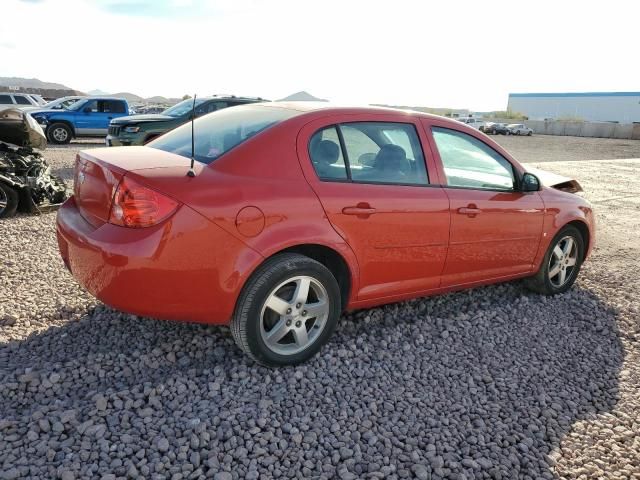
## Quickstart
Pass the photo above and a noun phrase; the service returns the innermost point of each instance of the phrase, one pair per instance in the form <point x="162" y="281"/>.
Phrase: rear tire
<point x="59" y="133"/>
<point x="559" y="268"/>
<point x="275" y="322"/>
<point x="8" y="201"/>
<point x="529" y="134"/>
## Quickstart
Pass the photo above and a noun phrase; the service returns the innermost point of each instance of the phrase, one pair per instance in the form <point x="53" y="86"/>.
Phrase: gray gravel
<point x="551" y="148"/>
<point x="490" y="383"/>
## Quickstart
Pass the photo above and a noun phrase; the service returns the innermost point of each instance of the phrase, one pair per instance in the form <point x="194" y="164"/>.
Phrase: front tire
<point x="59" y="133"/>
<point x="8" y="201"/>
<point x="287" y="310"/>
<point x="561" y="264"/>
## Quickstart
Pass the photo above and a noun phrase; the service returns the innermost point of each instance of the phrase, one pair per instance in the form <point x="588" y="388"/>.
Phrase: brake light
<point x="137" y="206"/>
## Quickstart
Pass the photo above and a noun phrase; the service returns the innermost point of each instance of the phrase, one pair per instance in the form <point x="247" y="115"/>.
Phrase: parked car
<point x="519" y="129"/>
<point x="139" y="129"/>
<point x="295" y="212"/>
<point x="496" y="129"/>
<point x="57" y="104"/>
<point x="472" y="122"/>
<point x="88" y="117"/>
<point x="17" y="100"/>
<point x="26" y="181"/>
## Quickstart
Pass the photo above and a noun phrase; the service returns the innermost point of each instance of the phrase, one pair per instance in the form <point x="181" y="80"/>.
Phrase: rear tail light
<point x="137" y="206"/>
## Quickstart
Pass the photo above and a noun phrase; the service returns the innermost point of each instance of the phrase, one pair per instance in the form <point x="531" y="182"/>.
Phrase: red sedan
<point x="297" y="212"/>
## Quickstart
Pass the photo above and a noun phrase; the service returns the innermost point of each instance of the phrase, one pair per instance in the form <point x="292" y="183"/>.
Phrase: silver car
<point x="58" y="104"/>
<point x="18" y="100"/>
<point x="519" y="129"/>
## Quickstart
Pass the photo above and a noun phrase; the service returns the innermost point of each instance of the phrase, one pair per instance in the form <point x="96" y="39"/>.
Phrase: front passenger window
<point x="470" y="163"/>
<point x="91" y="106"/>
<point x="21" y="100"/>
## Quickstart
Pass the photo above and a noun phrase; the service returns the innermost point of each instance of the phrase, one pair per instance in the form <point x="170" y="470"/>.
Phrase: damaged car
<point x="26" y="181"/>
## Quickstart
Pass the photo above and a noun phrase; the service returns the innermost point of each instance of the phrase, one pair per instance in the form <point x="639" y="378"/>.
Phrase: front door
<point x="495" y="229"/>
<point x="372" y="180"/>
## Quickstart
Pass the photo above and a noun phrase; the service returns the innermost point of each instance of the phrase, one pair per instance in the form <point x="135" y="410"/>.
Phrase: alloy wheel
<point x="562" y="261"/>
<point x="60" y="134"/>
<point x="294" y="315"/>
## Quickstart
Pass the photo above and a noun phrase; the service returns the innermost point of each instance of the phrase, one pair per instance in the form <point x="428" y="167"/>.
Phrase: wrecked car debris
<point x="26" y="181"/>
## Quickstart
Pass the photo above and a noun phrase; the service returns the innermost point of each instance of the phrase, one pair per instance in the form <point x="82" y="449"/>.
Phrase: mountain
<point x="97" y="92"/>
<point x="302" y="97"/>
<point x="25" y="83"/>
<point x="48" y="90"/>
<point x="129" y="97"/>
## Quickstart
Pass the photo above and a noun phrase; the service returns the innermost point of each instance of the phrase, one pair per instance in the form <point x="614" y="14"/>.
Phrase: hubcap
<point x="562" y="261"/>
<point x="60" y="134"/>
<point x="294" y="315"/>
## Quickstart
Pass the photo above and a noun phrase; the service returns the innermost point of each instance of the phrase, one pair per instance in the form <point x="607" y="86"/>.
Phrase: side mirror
<point x="87" y="110"/>
<point x="529" y="183"/>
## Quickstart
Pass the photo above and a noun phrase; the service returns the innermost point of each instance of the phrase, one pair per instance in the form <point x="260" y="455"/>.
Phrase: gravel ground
<point x="549" y="148"/>
<point x="496" y="382"/>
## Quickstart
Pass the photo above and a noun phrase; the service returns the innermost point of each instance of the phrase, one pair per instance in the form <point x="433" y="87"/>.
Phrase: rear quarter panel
<point x="263" y="174"/>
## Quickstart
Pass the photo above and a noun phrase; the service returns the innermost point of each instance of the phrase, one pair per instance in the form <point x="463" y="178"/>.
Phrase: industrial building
<point x="621" y="107"/>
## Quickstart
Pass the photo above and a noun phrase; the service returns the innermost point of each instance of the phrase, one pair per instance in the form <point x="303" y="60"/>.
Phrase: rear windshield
<point x="218" y="132"/>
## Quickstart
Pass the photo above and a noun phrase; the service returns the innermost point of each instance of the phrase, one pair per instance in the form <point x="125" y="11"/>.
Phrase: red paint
<point x="250" y="221"/>
<point x="264" y="196"/>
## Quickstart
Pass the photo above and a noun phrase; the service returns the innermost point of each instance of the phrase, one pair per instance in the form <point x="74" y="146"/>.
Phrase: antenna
<point x="191" y="172"/>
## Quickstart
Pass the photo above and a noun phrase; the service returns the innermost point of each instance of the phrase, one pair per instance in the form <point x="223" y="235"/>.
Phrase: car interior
<point x="374" y="152"/>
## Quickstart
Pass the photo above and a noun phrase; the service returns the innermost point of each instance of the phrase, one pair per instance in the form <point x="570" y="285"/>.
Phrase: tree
<point x="185" y="97"/>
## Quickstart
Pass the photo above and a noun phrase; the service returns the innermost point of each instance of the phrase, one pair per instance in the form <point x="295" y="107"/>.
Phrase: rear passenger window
<point x="326" y="155"/>
<point x="5" y="100"/>
<point x="375" y="152"/>
<point x="113" y="106"/>
<point x="20" y="100"/>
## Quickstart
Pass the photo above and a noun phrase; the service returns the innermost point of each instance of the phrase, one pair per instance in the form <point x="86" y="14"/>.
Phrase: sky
<point x="455" y="54"/>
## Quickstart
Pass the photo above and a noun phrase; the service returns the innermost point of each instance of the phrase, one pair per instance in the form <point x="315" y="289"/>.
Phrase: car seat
<point x="323" y="155"/>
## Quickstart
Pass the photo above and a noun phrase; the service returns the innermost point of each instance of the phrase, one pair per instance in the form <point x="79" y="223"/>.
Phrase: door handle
<point x="110" y="118"/>
<point x="360" y="209"/>
<point x="470" y="210"/>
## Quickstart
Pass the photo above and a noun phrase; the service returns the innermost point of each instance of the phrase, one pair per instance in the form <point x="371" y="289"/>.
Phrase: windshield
<point x="220" y="131"/>
<point x="182" y="108"/>
<point x="61" y="103"/>
<point x="38" y="99"/>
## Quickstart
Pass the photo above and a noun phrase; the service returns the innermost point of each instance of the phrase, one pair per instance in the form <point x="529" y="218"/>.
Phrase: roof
<point x="331" y="108"/>
<point x="577" y="94"/>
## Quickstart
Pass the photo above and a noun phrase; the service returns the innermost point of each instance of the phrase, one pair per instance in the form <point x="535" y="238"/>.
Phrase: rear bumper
<point x="185" y="269"/>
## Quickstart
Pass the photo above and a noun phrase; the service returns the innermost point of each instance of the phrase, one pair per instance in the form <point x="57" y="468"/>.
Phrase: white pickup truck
<point x="472" y="122"/>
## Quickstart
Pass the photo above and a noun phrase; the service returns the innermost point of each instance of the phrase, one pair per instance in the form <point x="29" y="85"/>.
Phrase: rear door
<point x="495" y="229"/>
<point x="375" y="186"/>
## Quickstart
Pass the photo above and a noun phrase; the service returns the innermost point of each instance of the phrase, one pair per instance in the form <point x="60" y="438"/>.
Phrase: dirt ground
<point x="549" y="148"/>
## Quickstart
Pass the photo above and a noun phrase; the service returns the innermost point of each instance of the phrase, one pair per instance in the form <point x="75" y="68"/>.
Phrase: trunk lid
<point x="98" y="173"/>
